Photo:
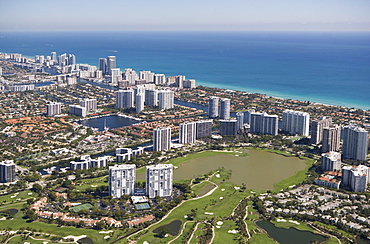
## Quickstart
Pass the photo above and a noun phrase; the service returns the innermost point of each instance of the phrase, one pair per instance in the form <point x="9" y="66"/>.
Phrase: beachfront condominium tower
<point x="159" y="79"/>
<point x="89" y="103"/>
<point x="7" y="171"/>
<point x="213" y="107"/>
<point x="355" y="142"/>
<point x="130" y="76"/>
<point x="331" y="161"/>
<point x="148" y="76"/>
<point x="139" y="101"/>
<point x="331" y="138"/>
<point x="111" y="64"/>
<point x="225" y="108"/>
<point x="159" y="179"/>
<point x="317" y="127"/>
<point x="187" y="133"/>
<point x="53" y="57"/>
<point x="262" y="123"/>
<point x="125" y="98"/>
<point x="204" y="128"/>
<point x="228" y="127"/>
<point x="166" y="99"/>
<point x="162" y="139"/>
<point x="121" y="180"/>
<point x="53" y="108"/>
<point x="103" y="65"/>
<point x="296" y="122"/>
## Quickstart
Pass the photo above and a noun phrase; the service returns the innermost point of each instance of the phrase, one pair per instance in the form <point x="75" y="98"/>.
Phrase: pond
<point x="205" y="190"/>
<point x="85" y="240"/>
<point x="289" y="236"/>
<point x="111" y="121"/>
<point x="173" y="227"/>
<point x="259" y="170"/>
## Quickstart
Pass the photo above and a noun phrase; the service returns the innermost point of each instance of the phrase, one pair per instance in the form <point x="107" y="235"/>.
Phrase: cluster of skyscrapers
<point x="144" y="95"/>
<point x="189" y="132"/>
<point x="159" y="178"/>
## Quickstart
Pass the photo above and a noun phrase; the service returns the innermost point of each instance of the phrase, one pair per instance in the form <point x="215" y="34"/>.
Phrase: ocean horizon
<point x="323" y="67"/>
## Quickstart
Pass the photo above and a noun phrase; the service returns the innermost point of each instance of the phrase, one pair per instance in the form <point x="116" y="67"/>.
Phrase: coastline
<point x="282" y="96"/>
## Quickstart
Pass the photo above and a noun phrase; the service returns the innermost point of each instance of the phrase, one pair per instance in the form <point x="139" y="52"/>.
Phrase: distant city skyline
<point x="164" y="15"/>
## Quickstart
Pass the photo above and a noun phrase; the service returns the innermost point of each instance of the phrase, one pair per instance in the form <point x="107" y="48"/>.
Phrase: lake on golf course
<point x="259" y="170"/>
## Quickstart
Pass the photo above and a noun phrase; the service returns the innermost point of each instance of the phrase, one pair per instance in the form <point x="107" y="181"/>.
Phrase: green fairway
<point x="16" y="197"/>
<point x="222" y="235"/>
<point x="261" y="239"/>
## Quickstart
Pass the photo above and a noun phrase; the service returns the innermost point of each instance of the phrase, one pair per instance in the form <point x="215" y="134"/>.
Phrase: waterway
<point x="111" y="121"/>
<point x="289" y="236"/>
<point x="259" y="170"/>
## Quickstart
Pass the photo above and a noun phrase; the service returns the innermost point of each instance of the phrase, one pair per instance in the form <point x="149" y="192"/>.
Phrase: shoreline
<point x="280" y="96"/>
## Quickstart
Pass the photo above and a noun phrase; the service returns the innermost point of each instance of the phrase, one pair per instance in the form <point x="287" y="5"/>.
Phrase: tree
<point x="37" y="188"/>
<point x="100" y="225"/>
<point x="163" y="232"/>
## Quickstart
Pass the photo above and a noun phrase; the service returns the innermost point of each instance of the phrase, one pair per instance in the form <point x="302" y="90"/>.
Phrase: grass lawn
<point x="221" y="234"/>
<point x="288" y="225"/>
<point x="332" y="240"/>
<point x="346" y="234"/>
<point x="186" y="230"/>
<point x="199" y="188"/>
<point x="16" y="197"/>
<point x="198" y="232"/>
<point x="261" y="239"/>
<point x="92" y="183"/>
<point x="18" y="222"/>
<point x="210" y="204"/>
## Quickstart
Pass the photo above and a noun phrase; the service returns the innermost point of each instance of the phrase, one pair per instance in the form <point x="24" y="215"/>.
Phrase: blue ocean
<point x="324" y="67"/>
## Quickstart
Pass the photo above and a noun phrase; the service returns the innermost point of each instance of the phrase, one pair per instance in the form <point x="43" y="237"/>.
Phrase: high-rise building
<point x="1" y="71"/>
<point x="151" y="97"/>
<point x="125" y="98"/>
<point x="159" y="179"/>
<point x="356" y="178"/>
<point x="111" y="64"/>
<point x="71" y="59"/>
<point x="180" y="81"/>
<point x="248" y="113"/>
<point x="239" y="120"/>
<point x="264" y="124"/>
<point x="317" y="127"/>
<point x="131" y="76"/>
<point x="355" y="142"/>
<point x="7" y="171"/>
<point x="89" y="103"/>
<point x="159" y="79"/>
<point x="53" y="108"/>
<point x="225" y="108"/>
<point x="204" y="128"/>
<point x="54" y="57"/>
<point x="213" y="107"/>
<point x="148" y="76"/>
<point x="330" y="161"/>
<point x="161" y="139"/>
<point x="191" y="83"/>
<point x="140" y="98"/>
<point x="296" y="122"/>
<point x="166" y="99"/>
<point x="86" y="162"/>
<point x="228" y="127"/>
<point x="62" y="59"/>
<point x="331" y="138"/>
<point x="187" y="133"/>
<point x="103" y="65"/>
<point x="77" y="110"/>
<point x="116" y="75"/>
<point x="121" y="180"/>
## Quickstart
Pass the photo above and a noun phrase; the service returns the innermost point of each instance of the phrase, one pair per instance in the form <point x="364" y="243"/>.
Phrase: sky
<point x="185" y="15"/>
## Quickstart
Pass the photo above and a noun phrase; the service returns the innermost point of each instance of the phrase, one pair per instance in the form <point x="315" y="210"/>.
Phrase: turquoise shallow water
<point x="325" y="67"/>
